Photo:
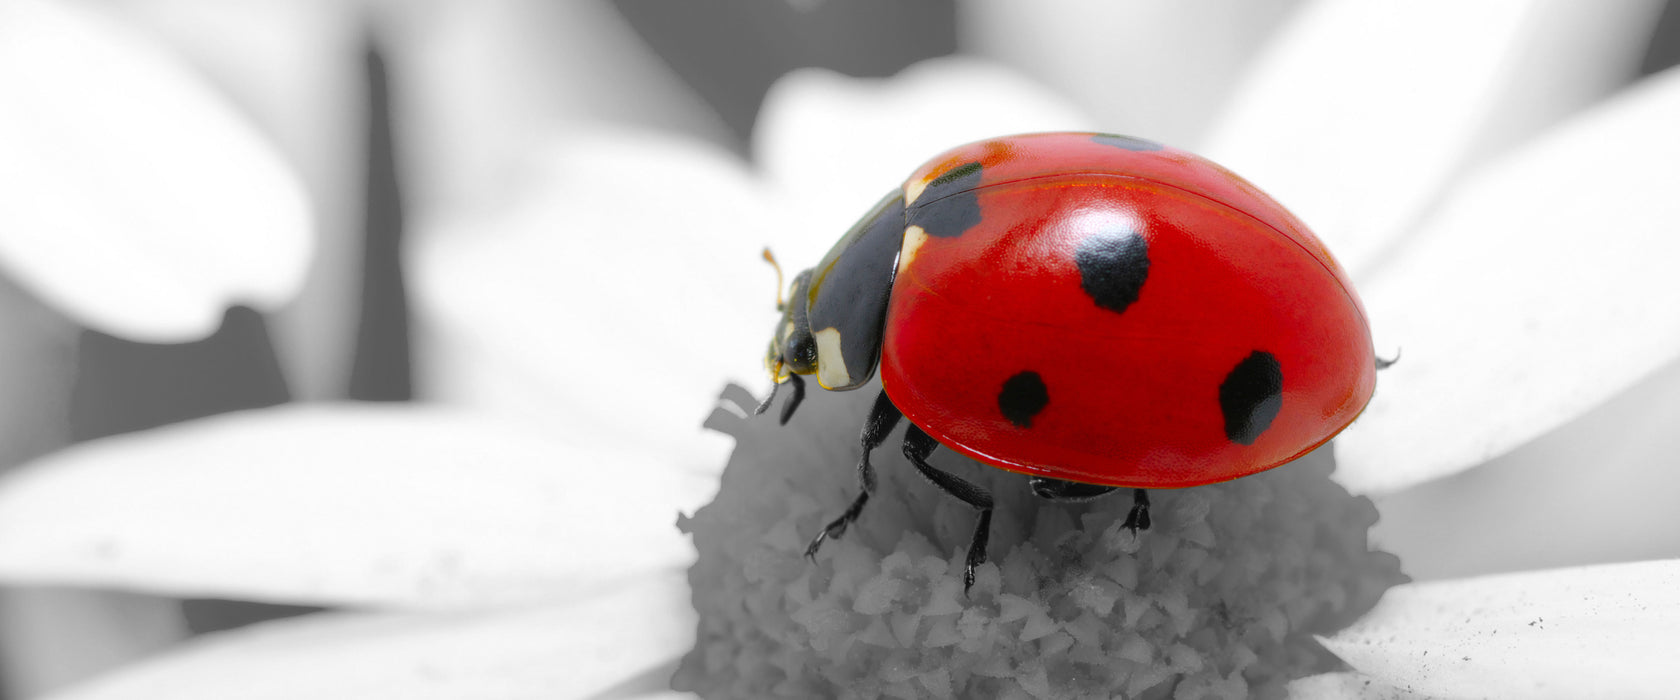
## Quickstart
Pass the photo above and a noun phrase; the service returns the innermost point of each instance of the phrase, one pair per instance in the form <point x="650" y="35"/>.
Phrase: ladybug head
<point x="792" y="348"/>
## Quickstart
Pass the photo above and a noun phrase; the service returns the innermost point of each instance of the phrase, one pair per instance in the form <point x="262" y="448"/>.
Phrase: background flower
<point x="549" y="396"/>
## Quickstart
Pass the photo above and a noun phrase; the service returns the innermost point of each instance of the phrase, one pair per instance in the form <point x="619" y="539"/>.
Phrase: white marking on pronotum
<point x="913" y="189"/>
<point x="831" y="365"/>
<point x="914" y="237"/>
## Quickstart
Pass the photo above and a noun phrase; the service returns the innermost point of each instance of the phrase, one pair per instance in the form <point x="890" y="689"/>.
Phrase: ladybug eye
<point x="802" y="351"/>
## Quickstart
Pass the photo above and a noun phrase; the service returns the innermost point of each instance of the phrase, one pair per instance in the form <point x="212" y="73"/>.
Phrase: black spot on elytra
<point x="949" y="205"/>
<point x="1250" y="397"/>
<point x="1022" y="397"/>
<point x="1129" y="143"/>
<point x="1113" y="265"/>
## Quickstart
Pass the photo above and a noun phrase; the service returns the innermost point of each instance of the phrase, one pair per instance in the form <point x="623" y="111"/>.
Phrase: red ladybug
<point x="1093" y="311"/>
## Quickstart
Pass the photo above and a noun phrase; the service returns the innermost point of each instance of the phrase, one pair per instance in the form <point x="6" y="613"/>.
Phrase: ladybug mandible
<point x="1091" y="310"/>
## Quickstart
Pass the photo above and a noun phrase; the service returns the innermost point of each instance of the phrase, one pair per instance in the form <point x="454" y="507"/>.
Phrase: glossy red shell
<point x="1134" y="396"/>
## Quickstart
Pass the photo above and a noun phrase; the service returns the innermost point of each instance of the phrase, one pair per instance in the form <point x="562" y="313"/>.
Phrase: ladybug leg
<point x="1067" y="491"/>
<point x="793" y="401"/>
<point x="882" y="418"/>
<point x="917" y="446"/>
<point x="1074" y="492"/>
<point x="1138" y="518"/>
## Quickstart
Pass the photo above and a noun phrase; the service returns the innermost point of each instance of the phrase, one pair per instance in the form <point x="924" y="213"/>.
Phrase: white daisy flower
<point x="516" y="538"/>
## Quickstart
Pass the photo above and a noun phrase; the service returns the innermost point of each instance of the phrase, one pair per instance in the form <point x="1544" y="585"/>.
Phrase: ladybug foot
<point x="976" y="557"/>
<point x="1138" y="518"/>
<point x="838" y="527"/>
<point x="834" y="529"/>
<point x="977" y="548"/>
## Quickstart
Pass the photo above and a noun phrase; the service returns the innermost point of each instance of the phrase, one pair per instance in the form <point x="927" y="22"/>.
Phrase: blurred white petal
<point x="575" y="650"/>
<point x="344" y="505"/>
<point x="1542" y="287"/>
<point x="1347" y="686"/>
<point x="135" y="200"/>
<point x="295" y="68"/>
<point x="1591" y="632"/>
<point x="832" y="145"/>
<point x="1600" y="488"/>
<point x="1360" y="111"/>
<point x="1161" y="70"/>
<point x="53" y="637"/>
<point x="478" y="80"/>
<point x="610" y="301"/>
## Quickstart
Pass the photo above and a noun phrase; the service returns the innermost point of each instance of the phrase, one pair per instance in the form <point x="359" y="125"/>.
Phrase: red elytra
<point x="1133" y="395"/>
<point x="1094" y="311"/>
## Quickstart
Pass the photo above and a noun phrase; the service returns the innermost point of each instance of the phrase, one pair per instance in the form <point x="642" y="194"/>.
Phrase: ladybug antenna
<point x="775" y="388"/>
<point x="1385" y="364"/>
<point x="770" y="258"/>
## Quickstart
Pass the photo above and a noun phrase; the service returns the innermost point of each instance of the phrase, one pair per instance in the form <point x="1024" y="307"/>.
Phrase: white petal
<point x="297" y="69"/>
<point x="610" y="300"/>
<point x="135" y="199"/>
<point x="478" y="80"/>
<point x="1599" y="489"/>
<point x="1161" y="70"/>
<point x="832" y="145"/>
<point x="1542" y="288"/>
<point x="1359" y="112"/>
<point x="575" y="650"/>
<point x="1347" y="686"/>
<point x="1592" y="632"/>
<point x="347" y="505"/>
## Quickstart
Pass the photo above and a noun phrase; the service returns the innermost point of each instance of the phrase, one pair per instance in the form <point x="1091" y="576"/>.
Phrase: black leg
<point x="1067" y="491"/>
<point x="1138" y="518"/>
<point x="917" y="446"/>
<point x="882" y="418"/>
<point x="793" y="401"/>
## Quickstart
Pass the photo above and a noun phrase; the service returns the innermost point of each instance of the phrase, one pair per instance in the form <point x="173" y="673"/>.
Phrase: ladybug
<point x="1093" y="311"/>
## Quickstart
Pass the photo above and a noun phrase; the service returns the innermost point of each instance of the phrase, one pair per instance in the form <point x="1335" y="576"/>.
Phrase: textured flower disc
<point x="1218" y="599"/>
